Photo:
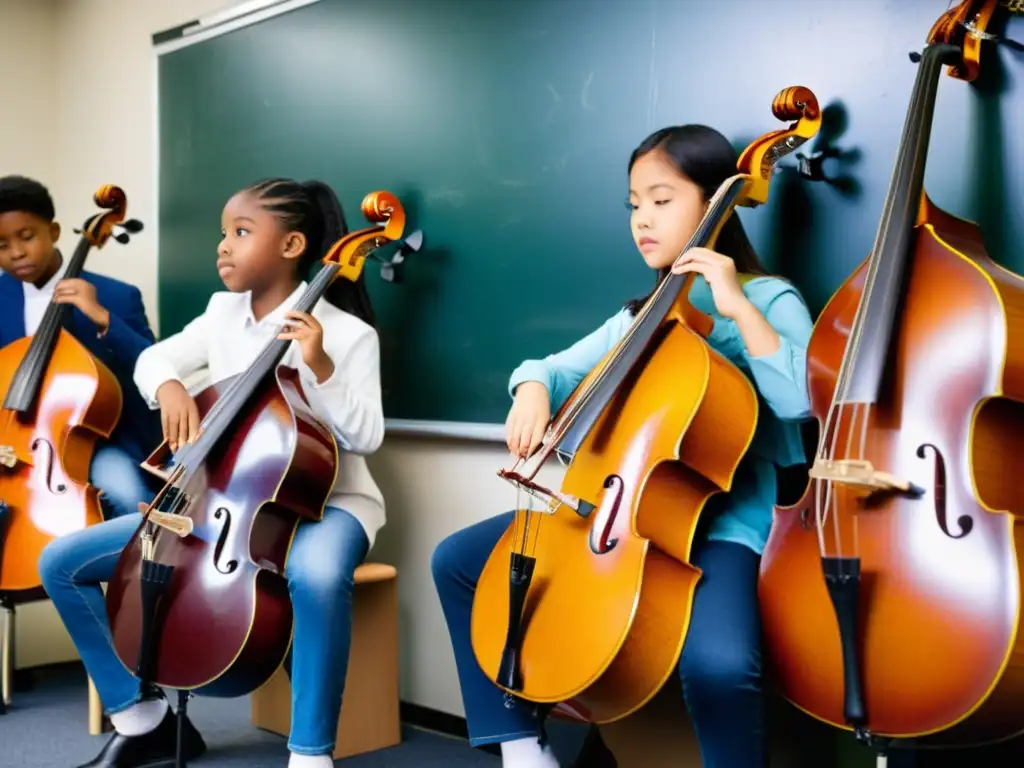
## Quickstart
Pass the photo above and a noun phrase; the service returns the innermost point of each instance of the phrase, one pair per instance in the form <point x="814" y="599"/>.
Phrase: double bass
<point x="198" y="600"/>
<point x="585" y="603"/>
<point x="58" y="400"/>
<point x="891" y="592"/>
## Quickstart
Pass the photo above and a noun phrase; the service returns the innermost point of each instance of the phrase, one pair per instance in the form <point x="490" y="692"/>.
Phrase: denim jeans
<point x="124" y="484"/>
<point x="720" y="664"/>
<point x="320" y="570"/>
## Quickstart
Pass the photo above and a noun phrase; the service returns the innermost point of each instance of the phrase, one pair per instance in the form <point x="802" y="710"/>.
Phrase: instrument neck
<point x="587" y="408"/>
<point x="673" y="286"/>
<point x="27" y="381"/>
<point x="231" y="403"/>
<point x="887" y="265"/>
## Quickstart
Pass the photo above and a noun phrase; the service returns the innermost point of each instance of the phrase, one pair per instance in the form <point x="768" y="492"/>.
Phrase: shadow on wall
<point x="793" y="241"/>
<point x="999" y="212"/>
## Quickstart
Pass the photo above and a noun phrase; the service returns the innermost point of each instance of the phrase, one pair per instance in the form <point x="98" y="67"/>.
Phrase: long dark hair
<point x="312" y="208"/>
<point x="705" y="157"/>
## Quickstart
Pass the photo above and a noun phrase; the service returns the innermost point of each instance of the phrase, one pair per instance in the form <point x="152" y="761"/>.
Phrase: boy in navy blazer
<point x="107" y="317"/>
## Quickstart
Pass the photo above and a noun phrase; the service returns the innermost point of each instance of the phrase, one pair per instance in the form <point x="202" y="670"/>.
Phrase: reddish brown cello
<point x="891" y="593"/>
<point x="58" y="400"/>
<point x="587" y="603"/>
<point x="198" y="601"/>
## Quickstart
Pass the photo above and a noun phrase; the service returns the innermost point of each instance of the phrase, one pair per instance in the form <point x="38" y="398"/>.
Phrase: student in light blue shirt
<point x="762" y="325"/>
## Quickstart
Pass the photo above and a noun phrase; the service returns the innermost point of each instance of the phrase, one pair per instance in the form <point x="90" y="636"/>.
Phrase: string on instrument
<point x="524" y="541"/>
<point x="856" y="395"/>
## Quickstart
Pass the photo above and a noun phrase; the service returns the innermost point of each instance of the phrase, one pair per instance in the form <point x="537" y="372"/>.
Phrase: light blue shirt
<point x="744" y="515"/>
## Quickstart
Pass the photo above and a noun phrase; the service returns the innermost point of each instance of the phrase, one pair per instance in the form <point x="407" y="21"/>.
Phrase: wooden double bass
<point x="198" y="601"/>
<point x="891" y="593"/>
<point x="58" y="400"/>
<point x="586" y="602"/>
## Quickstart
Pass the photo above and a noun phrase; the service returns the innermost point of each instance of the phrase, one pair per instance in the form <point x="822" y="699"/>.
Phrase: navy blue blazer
<point x="138" y="431"/>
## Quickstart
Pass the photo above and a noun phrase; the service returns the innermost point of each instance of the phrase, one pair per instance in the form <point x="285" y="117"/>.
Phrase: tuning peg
<point x="392" y="270"/>
<point x="413" y="242"/>
<point x="811" y="167"/>
<point x="124" y="230"/>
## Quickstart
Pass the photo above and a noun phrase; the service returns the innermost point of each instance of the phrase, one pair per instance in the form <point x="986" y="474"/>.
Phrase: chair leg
<point x="95" y="711"/>
<point x="7" y="657"/>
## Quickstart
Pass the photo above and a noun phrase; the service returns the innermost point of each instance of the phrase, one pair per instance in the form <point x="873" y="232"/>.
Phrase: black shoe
<point x="156" y="749"/>
<point x="595" y="753"/>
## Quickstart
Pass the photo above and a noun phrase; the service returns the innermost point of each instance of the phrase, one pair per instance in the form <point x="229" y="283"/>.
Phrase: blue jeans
<point x="320" y="570"/>
<point x="720" y="664"/>
<point x="123" y="482"/>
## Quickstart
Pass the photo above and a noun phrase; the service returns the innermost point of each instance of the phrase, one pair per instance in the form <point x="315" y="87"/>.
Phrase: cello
<point x="58" y="400"/>
<point x="899" y="570"/>
<point x="198" y="600"/>
<point x="646" y="449"/>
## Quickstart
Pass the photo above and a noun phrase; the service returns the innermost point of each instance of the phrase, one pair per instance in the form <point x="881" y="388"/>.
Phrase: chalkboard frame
<point x="826" y="228"/>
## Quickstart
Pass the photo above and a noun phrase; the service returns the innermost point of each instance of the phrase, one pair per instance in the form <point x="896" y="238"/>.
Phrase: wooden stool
<point x="97" y="722"/>
<point x="369" y="713"/>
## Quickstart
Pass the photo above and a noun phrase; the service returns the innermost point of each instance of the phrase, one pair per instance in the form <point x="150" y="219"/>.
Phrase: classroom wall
<point x="26" y="133"/>
<point x="103" y="132"/>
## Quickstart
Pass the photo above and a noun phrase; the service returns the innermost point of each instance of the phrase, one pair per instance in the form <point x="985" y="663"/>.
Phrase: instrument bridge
<point x="859" y="473"/>
<point x="8" y="456"/>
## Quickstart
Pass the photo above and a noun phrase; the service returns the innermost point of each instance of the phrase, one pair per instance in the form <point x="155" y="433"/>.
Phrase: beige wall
<point x="103" y="113"/>
<point x="27" y="137"/>
<point x="27" y="146"/>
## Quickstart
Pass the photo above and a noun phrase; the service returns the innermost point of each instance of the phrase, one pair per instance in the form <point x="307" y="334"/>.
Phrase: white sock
<point x="310" y="761"/>
<point x="140" y="718"/>
<point x="527" y="753"/>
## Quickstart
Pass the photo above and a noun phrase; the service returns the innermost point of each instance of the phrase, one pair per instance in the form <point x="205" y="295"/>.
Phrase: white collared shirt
<point x="227" y="338"/>
<point x="38" y="299"/>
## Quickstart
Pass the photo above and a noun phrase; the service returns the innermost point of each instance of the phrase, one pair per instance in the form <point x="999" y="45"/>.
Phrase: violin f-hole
<point x="49" y="460"/>
<point x="228" y="568"/>
<point x="965" y="522"/>
<point x="601" y="541"/>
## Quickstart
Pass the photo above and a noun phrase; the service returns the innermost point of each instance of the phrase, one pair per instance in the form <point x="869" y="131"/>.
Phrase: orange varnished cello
<point x="586" y="603"/>
<point x="891" y="593"/>
<point x="57" y="401"/>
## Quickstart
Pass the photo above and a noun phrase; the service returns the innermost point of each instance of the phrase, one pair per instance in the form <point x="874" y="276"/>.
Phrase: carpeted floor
<point x="46" y="727"/>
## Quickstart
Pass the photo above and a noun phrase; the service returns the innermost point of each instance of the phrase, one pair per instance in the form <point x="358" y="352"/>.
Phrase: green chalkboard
<point x="505" y="128"/>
